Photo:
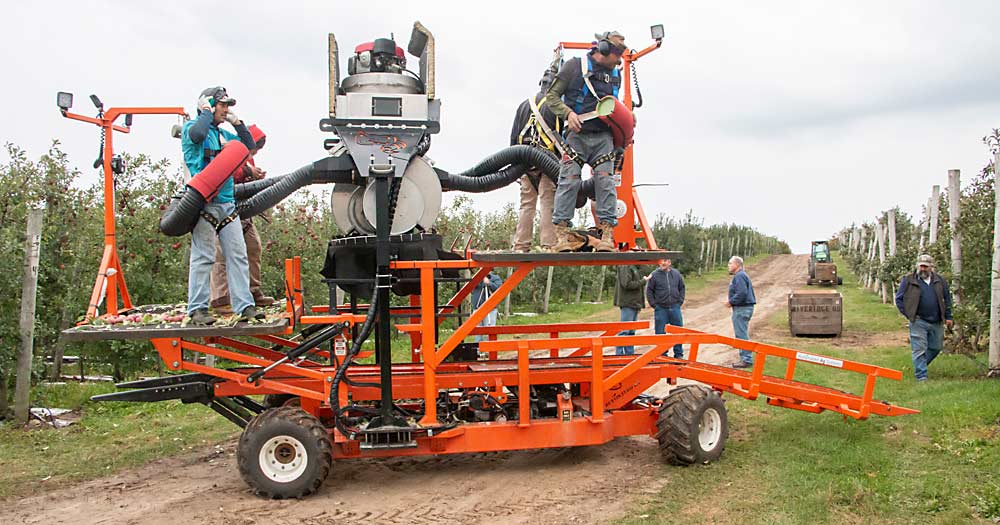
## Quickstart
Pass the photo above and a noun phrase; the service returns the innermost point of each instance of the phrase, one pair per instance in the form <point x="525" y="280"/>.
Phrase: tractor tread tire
<point x="677" y="425"/>
<point x="285" y="420"/>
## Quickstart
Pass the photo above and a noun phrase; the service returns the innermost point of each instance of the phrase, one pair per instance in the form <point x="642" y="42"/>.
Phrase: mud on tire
<point x="280" y="400"/>
<point x="692" y="426"/>
<point x="284" y="452"/>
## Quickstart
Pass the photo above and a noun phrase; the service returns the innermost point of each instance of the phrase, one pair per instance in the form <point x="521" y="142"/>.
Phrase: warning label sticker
<point x="802" y="356"/>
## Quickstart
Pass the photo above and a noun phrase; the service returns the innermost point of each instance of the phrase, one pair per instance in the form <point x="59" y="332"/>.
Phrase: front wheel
<point x="284" y="452"/>
<point x="692" y="426"/>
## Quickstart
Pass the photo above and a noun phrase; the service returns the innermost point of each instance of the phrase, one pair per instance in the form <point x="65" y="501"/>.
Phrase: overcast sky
<point x="793" y="117"/>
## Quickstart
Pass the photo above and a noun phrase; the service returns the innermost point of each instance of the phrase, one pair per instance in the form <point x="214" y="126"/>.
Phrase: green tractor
<point x="822" y="270"/>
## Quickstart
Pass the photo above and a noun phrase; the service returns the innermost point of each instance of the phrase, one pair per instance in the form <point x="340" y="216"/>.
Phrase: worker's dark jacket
<point x="518" y="134"/>
<point x="628" y="288"/>
<point x="482" y="291"/>
<point x="915" y="298"/>
<point x="665" y="288"/>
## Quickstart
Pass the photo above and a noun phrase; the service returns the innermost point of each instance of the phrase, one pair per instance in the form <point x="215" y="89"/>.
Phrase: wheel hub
<point x="709" y="429"/>
<point x="283" y="459"/>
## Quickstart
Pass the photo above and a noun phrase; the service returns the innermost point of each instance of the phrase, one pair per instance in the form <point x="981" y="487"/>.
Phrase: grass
<point x="782" y="466"/>
<point x="108" y="438"/>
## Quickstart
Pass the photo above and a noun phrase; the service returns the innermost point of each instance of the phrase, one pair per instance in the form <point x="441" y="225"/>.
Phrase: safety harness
<point x="586" y="73"/>
<point x="216" y="223"/>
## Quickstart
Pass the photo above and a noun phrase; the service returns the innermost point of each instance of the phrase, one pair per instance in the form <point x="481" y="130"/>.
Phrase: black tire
<point x="281" y="400"/>
<point x="680" y="425"/>
<point x="299" y="450"/>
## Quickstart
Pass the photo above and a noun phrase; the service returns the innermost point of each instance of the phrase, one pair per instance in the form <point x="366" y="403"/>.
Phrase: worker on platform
<point x="629" y="298"/>
<point x="665" y="292"/>
<point x="220" y="302"/>
<point x="578" y="87"/>
<point x="536" y="125"/>
<point x="925" y="300"/>
<point x="480" y="294"/>
<point x="741" y="301"/>
<point x="201" y="141"/>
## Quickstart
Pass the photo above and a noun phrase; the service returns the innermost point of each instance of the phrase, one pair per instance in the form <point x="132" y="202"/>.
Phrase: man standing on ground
<point x="628" y="297"/>
<point x="220" y="302"/>
<point x="580" y="84"/>
<point x="535" y="125"/>
<point x="925" y="300"/>
<point x="665" y="293"/>
<point x="201" y="142"/>
<point x="487" y="287"/>
<point x="741" y="300"/>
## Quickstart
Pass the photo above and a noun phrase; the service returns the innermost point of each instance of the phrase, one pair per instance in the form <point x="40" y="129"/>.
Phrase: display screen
<point x="387" y="107"/>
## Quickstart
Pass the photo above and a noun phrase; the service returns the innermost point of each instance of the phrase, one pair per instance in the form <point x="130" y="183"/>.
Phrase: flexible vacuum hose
<point x="363" y="334"/>
<point x="500" y="169"/>
<point x="520" y="154"/>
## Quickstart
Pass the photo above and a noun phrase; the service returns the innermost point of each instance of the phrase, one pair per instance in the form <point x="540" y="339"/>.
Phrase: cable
<point x="638" y="94"/>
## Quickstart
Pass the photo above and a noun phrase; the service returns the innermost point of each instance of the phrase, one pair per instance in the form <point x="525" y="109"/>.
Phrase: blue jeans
<point x="234" y="249"/>
<point x="664" y="315"/>
<point x="489" y="320"/>
<point x="589" y="146"/>
<point x="628" y="314"/>
<point x="926" y="341"/>
<point x="741" y="329"/>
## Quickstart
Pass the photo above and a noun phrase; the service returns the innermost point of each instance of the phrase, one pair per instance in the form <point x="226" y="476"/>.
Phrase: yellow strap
<point x="542" y="132"/>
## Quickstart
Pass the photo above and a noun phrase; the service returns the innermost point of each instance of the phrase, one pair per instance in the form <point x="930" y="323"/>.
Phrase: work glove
<point x="205" y="104"/>
<point x="232" y="118"/>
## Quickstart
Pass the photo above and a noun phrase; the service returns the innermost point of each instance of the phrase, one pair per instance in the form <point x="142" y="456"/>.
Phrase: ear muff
<point x="604" y="47"/>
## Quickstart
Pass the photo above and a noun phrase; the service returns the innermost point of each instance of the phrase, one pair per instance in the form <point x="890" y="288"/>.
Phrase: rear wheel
<point x="692" y="426"/>
<point x="284" y="452"/>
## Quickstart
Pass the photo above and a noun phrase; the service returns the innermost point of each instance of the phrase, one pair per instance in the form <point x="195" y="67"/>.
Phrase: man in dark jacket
<point x="742" y="300"/>
<point x="925" y="300"/>
<point x="665" y="293"/>
<point x="535" y="125"/>
<point x="490" y="284"/>
<point x="628" y="297"/>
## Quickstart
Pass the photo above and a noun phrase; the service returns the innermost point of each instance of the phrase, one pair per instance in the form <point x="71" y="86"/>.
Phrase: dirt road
<point x="579" y="485"/>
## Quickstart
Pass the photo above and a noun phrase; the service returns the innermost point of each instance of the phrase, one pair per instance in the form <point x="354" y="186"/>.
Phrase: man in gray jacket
<point x="628" y="297"/>
<point x="665" y="293"/>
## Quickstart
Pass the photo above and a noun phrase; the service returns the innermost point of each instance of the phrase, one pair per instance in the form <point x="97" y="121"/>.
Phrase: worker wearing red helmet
<point x="579" y="86"/>
<point x="220" y="301"/>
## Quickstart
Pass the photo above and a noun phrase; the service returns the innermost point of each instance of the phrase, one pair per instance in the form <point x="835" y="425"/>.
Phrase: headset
<point x="606" y="47"/>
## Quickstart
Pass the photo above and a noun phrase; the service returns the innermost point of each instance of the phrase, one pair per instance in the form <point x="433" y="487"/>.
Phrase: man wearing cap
<point x="201" y="141"/>
<point x="925" y="300"/>
<point x="578" y="87"/>
<point x="220" y="302"/>
<point x="536" y="125"/>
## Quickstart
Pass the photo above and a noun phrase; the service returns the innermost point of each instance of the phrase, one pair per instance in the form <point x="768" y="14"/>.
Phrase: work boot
<point x="202" y="317"/>
<point x="250" y="313"/>
<point x="263" y="300"/>
<point x="223" y="309"/>
<point x="567" y="240"/>
<point x="607" y="242"/>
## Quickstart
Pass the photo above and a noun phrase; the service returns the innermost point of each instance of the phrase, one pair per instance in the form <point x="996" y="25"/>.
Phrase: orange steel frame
<point x="625" y="232"/>
<point x="545" y="356"/>
<point x="110" y="277"/>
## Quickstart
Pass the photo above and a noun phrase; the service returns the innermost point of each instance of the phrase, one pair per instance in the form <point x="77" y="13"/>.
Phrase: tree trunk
<point x="881" y="262"/>
<point x="4" y="406"/>
<point x="579" y="289"/>
<point x="32" y="246"/>
<point x="548" y="290"/>
<point x="954" y="217"/>
<point x="935" y="209"/>
<point x="995" y="280"/>
<point x="600" y="283"/>
<point x="891" y="214"/>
